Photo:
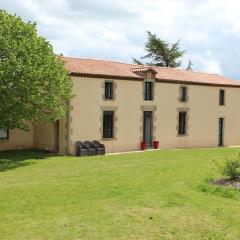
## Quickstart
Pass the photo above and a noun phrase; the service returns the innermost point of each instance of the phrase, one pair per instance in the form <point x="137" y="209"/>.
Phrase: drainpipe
<point x="68" y="128"/>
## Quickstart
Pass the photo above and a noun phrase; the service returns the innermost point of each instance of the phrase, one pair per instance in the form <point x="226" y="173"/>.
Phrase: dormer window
<point x="146" y="72"/>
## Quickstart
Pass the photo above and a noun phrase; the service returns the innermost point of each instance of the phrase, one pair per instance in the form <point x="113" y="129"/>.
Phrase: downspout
<point x="68" y="123"/>
<point x="68" y="128"/>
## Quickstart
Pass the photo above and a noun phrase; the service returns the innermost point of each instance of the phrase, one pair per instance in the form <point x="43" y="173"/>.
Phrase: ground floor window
<point x="3" y="133"/>
<point x="108" y="124"/>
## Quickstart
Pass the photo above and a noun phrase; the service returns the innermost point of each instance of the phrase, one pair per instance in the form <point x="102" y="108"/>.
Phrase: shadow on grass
<point x="13" y="159"/>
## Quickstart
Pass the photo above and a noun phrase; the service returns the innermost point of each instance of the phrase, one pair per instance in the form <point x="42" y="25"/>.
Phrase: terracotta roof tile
<point x="142" y="69"/>
<point x="90" y="67"/>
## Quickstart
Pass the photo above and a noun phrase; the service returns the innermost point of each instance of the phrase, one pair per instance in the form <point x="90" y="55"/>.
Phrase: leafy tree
<point x="34" y="84"/>
<point x="161" y="53"/>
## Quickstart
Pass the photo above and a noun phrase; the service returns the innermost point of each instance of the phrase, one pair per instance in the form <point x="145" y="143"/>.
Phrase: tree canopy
<point x="161" y="53"/>
<point x="34" y="84"/>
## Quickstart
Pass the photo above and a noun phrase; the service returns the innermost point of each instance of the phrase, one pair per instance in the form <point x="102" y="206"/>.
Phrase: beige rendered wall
<point x="85" y="117"/>
<point x="18" y="139"/>
<point x="46" y="136"/>
<point x="63" y="136"/>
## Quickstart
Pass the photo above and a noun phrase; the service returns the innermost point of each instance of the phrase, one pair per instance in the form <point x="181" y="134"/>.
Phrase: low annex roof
<point x="117" y="70"/>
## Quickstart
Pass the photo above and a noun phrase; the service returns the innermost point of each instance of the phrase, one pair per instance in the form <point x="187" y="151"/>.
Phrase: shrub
<point x="230" y="168"/>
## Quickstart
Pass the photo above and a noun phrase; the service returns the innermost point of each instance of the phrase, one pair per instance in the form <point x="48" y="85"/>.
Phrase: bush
<point x="230" y="168"/>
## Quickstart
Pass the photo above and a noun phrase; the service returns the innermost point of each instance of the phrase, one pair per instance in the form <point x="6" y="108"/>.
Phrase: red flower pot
<point x="155" y="144"/>
<point x="143" y="146"/>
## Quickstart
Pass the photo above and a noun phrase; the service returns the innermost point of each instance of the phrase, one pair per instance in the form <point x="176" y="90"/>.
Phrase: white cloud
<point x="212" y="66"/>
<point x="112" y="29"/>
<point x="208" y="62"/>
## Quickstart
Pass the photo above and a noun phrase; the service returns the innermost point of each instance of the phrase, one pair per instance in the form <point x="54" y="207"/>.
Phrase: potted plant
<point x="143" y="145"/>
<point x="155" y="144"/>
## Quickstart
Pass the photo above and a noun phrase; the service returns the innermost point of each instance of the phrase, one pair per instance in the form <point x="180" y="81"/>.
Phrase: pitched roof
<point x="111" y="69"/>
<point x="138" y="68"/>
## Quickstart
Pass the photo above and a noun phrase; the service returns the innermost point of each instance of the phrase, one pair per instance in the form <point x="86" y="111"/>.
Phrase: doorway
<point x="221" y="132"/>
<point x="147" y="128"/>
<point x="56" y="136"/>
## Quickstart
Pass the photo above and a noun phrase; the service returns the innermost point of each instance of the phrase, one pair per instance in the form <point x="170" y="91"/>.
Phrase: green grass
<point x="152" y="195"/>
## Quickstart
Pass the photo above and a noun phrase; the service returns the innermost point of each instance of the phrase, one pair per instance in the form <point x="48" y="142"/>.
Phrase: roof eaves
<point x="196" y="83"/>
<point x="108" y="76"/>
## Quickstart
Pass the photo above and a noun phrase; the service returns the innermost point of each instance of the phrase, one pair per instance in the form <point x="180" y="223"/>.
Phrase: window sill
<point x="108" y="139"/>
<point x="108" y="99"/>
<point x="182" y="135"/>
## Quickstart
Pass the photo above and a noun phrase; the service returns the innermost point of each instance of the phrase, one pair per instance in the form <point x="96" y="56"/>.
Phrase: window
<point x="182" y="123"/>
<point x="183" y="94"/>
<point x="3" y="133"/>
<point x="222" y="97"/>
<point x="148" y="91"/>
<point x="108" y="118"/>
<point x="108" y="90"/>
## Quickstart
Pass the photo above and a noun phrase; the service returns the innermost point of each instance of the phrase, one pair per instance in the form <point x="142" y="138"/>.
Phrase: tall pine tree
<point x="161" y="53"/>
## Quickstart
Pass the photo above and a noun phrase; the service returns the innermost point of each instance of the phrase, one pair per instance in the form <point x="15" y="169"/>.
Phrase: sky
<point x="209" y="30"/>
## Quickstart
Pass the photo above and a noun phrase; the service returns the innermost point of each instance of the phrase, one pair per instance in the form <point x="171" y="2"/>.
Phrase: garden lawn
<point x="150" y="195"/>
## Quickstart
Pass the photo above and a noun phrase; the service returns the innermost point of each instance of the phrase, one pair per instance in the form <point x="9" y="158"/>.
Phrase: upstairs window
<point x="3" y="133"/>
<point x="108" y="125"/>
<point x="183" y="94"/>
<point x="221" y="97"/>
<point x="148" y="91"/>
<point x="108" y="90"/>
<point x="182" y="123"/>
